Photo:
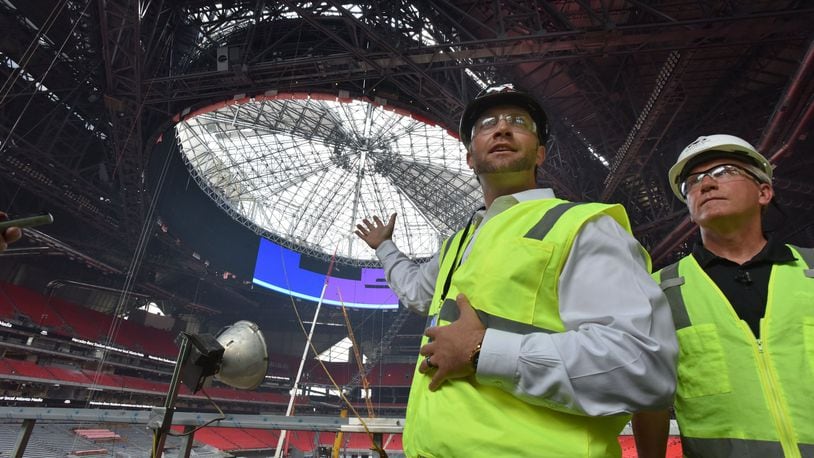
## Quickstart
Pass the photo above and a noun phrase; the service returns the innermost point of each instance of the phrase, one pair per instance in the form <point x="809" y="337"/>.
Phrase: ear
<point x="540" y="155"/>
<point x="469" y="157"/>
<point x="765" y="194"/>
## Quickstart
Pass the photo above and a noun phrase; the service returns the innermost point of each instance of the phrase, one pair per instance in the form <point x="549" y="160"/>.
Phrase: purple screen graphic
<point x="280" y="269"/>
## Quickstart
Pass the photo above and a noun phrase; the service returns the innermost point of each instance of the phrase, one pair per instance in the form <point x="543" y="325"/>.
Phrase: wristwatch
<point x="474" y="356"/>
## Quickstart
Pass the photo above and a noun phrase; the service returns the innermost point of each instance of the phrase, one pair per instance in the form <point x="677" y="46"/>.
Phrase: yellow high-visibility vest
<point x="510" y="277"/>
<point x="738" y="395"/>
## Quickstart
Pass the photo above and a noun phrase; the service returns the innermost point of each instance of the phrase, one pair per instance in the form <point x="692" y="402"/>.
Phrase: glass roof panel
<point x="304" y="169"/>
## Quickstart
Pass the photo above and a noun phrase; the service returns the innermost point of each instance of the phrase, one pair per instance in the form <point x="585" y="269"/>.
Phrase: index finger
<point x="431" y="332"/>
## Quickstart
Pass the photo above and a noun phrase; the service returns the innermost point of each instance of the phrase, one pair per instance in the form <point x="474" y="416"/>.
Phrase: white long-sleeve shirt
<point x="618" y="353"/>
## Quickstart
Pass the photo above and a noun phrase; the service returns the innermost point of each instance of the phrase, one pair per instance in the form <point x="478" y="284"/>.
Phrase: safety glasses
<point x="723" y="173"/>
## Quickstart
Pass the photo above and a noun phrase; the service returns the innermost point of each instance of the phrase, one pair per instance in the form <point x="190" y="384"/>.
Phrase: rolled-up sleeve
<point x="619" y="351"/>
<point x="412" y="282"/>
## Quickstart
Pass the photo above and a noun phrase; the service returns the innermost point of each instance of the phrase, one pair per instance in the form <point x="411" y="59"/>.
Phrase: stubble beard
<point x="519" y="164"/>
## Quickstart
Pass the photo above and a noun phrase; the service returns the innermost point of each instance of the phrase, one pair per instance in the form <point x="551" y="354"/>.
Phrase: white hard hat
<point x="725" y="145"/>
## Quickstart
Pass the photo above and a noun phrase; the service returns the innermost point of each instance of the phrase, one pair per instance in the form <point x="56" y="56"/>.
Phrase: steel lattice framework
<point x="90" y="86"/>
<point x="303" y="169"/>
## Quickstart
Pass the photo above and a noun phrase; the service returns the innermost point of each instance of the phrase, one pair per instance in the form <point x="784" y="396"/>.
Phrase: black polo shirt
<point x="746" y="286"/>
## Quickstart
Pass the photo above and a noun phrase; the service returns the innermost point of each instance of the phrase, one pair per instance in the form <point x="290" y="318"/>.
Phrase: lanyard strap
<point x="455" y="261"/>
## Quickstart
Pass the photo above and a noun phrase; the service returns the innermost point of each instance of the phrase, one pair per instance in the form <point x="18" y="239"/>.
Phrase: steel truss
<point x="77" y="133"/>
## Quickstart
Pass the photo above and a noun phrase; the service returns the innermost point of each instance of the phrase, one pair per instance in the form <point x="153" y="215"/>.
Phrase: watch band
<point x="474" y="356"/>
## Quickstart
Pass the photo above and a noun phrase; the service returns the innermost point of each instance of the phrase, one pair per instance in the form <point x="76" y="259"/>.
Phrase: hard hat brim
<point x="738" y="149"/>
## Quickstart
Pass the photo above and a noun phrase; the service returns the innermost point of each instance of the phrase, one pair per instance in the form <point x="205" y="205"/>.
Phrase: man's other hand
<point x="10" y="235"/>
<point x="450" y="350"/>
<point x="376" y="232"/>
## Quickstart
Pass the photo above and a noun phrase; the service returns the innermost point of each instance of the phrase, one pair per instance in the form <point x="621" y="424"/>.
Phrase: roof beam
<point x="686" y="228"/>
<point x="121" y="42"/>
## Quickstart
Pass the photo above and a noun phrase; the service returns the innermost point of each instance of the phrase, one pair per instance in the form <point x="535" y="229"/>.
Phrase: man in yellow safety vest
<point x="743" y="306"/>
<point x="545" y="329"/>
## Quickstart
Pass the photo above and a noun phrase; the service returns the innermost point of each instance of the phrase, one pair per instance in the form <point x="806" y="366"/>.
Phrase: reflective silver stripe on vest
<point x="808" y="256"/>
<point x="713" y="448"/>
<point x="449" y="312"/>
<point x="541" y="229"/>
<point x="671" y="285"/>
<point x="671" y="282"/>
<point x="449" y="309"/>
<point x="807" y="450"/>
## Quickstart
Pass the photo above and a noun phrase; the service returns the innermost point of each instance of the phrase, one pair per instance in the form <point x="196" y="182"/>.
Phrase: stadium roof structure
<point x="91" y="89"/>
<point x="304" y="169"/>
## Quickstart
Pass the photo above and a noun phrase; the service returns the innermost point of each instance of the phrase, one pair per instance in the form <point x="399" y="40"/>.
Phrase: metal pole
<point x="160" y="435"/>
<point x="338" y="440"/>
<point x="278" y="451"/>
<point x="22" y="438"/>
<point x="356" y="194"/>
<point x="792" y="93"/>
<point x="186" y="444"/>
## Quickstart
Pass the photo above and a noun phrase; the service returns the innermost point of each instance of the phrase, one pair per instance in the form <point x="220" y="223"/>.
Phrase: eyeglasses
<point x="723" y="173"/>
<point x="488" y="124"/>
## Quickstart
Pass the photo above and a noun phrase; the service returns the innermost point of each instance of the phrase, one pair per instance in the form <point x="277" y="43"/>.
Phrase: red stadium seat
<point x="28" y="369"/>
<point x="33" y="306"/>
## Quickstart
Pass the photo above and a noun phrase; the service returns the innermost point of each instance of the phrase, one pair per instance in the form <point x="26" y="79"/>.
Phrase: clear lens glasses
<point x="720" y="173"/>
<point x="488" y="124"/>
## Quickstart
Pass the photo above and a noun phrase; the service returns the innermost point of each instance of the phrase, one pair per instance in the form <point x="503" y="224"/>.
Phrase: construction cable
<point x="28" y="54"/>
<point x="42" y="78"/>
<point x="336" y="386"/>
<point x="357" y="356"/>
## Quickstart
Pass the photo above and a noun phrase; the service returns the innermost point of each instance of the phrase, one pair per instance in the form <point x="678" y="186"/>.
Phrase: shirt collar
<point x="533" y="194"/>
<point x="774" y="252"/>
<point x="503" y="203"/>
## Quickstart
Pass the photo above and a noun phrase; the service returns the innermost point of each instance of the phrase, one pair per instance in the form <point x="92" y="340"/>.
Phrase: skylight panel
<point x="306" y="170"/>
